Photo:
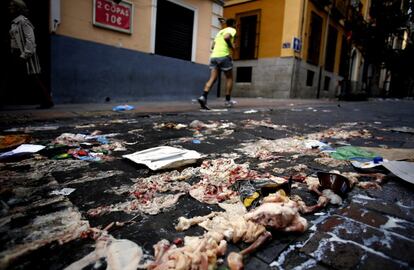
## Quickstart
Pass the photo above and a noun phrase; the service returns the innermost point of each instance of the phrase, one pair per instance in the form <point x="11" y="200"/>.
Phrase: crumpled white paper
<point x="23" y="149"/>
<point x="164" y="157"/>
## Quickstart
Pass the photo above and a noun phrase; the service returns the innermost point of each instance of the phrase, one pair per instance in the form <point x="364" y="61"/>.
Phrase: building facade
<point x="97" y="50"/>
<point x="294" y="48"/>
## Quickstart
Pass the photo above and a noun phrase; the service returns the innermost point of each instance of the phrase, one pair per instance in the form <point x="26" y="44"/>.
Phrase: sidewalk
<point x="29" y="112"/>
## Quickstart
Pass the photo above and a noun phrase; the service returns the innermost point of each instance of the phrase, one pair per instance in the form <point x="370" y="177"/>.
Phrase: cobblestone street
<point x="40" y="228"/>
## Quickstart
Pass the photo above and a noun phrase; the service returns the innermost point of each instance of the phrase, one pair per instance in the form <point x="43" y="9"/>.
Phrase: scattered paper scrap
<point x="31" y="129"/>
<point x="63" y="191"/>
<point x="125" y="107"/>
<point x="23" y="149"/>
<point x="164" y="157"/>
<point x="402" y="169"/>
<point x="403" y="129"/>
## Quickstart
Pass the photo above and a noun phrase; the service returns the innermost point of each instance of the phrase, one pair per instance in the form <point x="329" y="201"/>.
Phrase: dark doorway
<point x="15" y="86"/>
<point x="174" y="33"/>
<point x="343" y="64"/>
<point x="314" y="45"/>
<point x="248" y="33"/>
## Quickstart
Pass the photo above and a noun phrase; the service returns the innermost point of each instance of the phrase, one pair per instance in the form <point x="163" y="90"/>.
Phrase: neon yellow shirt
<point x="221" y="48"/>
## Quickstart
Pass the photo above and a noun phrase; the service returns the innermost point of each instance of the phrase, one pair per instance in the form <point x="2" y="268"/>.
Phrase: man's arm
<point x="227" y="38"/>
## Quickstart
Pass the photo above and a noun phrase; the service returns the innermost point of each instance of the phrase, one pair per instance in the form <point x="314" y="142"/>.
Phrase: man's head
<point x="230" y="22"/>
<point x="17" y="7"/>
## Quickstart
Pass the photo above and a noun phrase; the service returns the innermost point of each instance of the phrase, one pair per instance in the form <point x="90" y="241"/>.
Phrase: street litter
<point x="87" y="155"/>
<point x="262" y="123"/>
<point x="214" y="110"/>
<point x="340" y="134"/>
<point x="350" y="152"/>
<point x="402" y="169"/>
<point x="31" y="129"/>
<point x="392" y="153"/>
<point x="250" y="111"/>
<point x="63" y="191"/>
<point x="335" y="182"/>
<point x="235" y="224"/>
<point x="121" y="108"/>
<point x="120" y="254"/>
<point x="11" y="141"/>
<point x="403" y="129"/>
<point x="323" y="147"/>
<point x="169" y="125"/>
<point x="164" y="157"/>
<point x="363" y="163"/>
<point x="251" y="191"/>
<point x="62" y="226"/>
<point x="22" y="150"/>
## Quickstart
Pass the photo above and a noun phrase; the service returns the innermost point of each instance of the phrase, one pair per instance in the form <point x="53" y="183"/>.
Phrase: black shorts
<point x="224" y="63"/>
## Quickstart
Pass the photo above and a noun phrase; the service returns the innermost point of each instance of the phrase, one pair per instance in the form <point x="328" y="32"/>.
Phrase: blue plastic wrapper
<point x="125" y="107"/>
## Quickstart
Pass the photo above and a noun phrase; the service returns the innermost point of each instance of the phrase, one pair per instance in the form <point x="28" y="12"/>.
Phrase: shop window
<point x="314" y="42"/>
<point x="309" y="78"/>
<point x="174" y="30"/>
<point x="326" y="83"/>
<point x="331" y="49"/>
<point x="248" y="35"/>
<point x="244" y="74"/>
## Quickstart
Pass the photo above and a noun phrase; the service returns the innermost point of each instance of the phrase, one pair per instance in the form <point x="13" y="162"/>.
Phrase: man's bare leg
<point x="212" y="80"/>
<point x="229" y="81"/>
<point x="203" y="99"/>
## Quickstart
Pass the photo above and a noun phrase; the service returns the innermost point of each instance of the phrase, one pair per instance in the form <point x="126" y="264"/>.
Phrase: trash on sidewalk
<point x="11" y="141"/>
<point x="22" y="150"/>
<point x="63" y="191"/>
<point x="87" y="155"/>
<point x="392" y="153"/>
<point x="315" y="144"/>
<point x="164" y="157"/>
<point x="119" y="254"/>
<point x="251" y="191"/>
<point x="31" y="129"/>
<point x="62" y="156"/>
<point x="368" y="163"/>
<point x="250" y="111"/>
<point x="124" y="107"/>
<point x="335" y="182"/>
<point x="402" y="169"/>
<point x="403" y="129"/>
<point x="350" y="152"/>
<point x="169" y="125"/>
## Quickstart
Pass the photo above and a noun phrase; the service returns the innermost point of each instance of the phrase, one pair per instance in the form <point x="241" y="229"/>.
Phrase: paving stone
<point x="334" y="254"/>
<point x="274" y="248"/>
<point x="255" y="263"/>
<point x="396" y="208"/>
<point x="297" y="260"/>
<point x="372" y="262"/>
<point x="375" y="219"/>
<point x="337" y="253"/>
<point x="390" y="244"/>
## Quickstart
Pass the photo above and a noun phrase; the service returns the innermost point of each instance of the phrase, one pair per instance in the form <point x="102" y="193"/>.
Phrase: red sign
<point x="113" y="16"/>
